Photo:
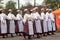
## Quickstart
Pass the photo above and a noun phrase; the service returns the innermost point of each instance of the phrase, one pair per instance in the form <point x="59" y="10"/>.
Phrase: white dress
<point x="53" y="23"/>
<point x="30" y="23"/>
<point x="49" y="23"/>
<point x="20" y="22"/>
<point x="3" y="23"/>
<point x="11" y="17"/>
<point x="43" y="17"/>
<point x="37" y="18"/>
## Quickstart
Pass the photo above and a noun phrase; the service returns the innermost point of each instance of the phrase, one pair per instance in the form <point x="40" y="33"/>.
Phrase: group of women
<point x="31" y="24"/>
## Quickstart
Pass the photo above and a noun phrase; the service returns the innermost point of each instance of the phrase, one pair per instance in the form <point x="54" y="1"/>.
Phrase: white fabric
<point x="54" y="27"/>
<point x="20" y="22"/>
<point x="52" y="19"/>
<point x="33" y="16"/>
<point x="30" y="26"/>
<point x="49" y="23"/>
<point x="0" y="17"/>
<point x="37" y="22"/>
<point x="43" y="17"/>
<point x="3" y="23"/>
<point x="38" y="26"/>
<point x="11" y="17"/>
<point x="26" y="17"/>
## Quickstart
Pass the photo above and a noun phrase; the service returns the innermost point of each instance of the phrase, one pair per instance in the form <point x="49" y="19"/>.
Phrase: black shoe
<point x="44" y="35"/>
<point x="29" y="37"/>
<point x="25" y="37"/>
<point x="3" y="37"/>
<point x="12" y="35"/>
<point x="38" y="36"/>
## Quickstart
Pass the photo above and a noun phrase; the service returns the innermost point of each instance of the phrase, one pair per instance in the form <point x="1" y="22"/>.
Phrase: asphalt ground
<point x="49" y="37"/>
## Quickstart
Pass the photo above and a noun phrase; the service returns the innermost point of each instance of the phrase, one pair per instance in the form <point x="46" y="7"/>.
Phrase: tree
<point x="1" y="4"/>
<point x="1" y="0"/>
<point x="54" y="4"/>
<point x="10" y="5"/>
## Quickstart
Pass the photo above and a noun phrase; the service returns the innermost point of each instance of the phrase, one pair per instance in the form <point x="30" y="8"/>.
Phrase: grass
<point x="58" y="31"/>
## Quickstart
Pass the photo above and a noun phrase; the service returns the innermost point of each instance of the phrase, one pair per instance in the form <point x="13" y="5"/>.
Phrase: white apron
<point x="45" y="28"/>
<point x="30" y="27"/>
<point x="12" y="26"/>
<point x="3" y="23"/>
<point x="3" y="27"/>
<point x="38" y="26"/>
<point x="49" y="25"/>
<point x="53" y="26"/>
<point x="20" y="26"/>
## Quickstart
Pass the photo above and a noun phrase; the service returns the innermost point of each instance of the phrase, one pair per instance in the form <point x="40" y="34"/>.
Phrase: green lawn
<point x="58" y="31"/>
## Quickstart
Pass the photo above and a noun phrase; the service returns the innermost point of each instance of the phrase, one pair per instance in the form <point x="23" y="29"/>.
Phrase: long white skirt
<point x="45" y="26"/>
<point x="12" y="26"/>
<point x="38" y="26"/>
<point x="53" y="26"/>
<point x="49" y="25"/>
<point x="20" y="26"/>
<point x="3" y="27"/>
<point x="30" y="28"/>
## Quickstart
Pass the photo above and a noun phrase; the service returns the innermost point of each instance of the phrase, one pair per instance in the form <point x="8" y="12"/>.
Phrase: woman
<point x="44" y="22"/>
<point x="3" y="23"/>
<point x="11" y="19"/>
<point x="28" y="24"/>
<point x="0" y="21"/>
<point x="52" y="21"/>
<point x="20" y="26"/>
<point x="37" y="22"/>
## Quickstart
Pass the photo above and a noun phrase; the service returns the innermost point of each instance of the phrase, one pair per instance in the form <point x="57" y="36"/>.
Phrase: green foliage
<point x="0" y="4"/>
<point x="1" y="0"/>
<point x="1" y="7"/>
<point x="54" y="4"/>
<point x="10" y="5"/>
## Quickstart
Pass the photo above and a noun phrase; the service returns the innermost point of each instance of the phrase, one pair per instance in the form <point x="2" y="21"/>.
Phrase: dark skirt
<point x="16" y="26"/>
<point x="8" y="22"/>
<point x="26" y="28"/>
<point x="0" y="27"/>
<point x="42" y="26"/>
<point x="34" y="27"/>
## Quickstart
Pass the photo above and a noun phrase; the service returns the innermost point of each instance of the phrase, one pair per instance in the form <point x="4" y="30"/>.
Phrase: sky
<point x="23" y="2"/>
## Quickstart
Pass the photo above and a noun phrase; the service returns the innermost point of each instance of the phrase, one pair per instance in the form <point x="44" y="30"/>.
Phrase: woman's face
<point x="42" y="10"/>
<point x="10" y="11"/>
<point x="27" y="12"/>
<point x="34" y="11"/>
<point x="18" y="12"/>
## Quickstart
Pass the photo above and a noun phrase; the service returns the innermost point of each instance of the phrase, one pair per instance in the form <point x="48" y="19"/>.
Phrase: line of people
<point x="32" y="23"/>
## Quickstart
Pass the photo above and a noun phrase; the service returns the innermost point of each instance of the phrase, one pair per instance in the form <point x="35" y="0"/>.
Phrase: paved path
<point x="52" y="37"/>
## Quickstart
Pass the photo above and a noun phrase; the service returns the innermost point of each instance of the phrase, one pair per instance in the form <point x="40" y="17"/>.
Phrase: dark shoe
<point x="12" y="35"/>
<point x="29" y="37"/>
<point x="3" y="37"/>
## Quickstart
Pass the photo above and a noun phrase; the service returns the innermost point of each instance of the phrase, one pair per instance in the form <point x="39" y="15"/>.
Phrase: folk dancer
<point x="11" y="19"/>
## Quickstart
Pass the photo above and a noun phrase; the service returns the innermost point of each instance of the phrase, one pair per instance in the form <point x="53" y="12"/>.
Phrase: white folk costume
<point x="3" y="23"/>
<point x="37" y="18"/>
<point x="48" y="18"/>
<point x="43" y="17"/>
<point x="20" y="22"/>
<point x="53" y="22"/>
<point x="11" y="19"/>
<point x="28" y="19"/>
<point x="0" y="23"/>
